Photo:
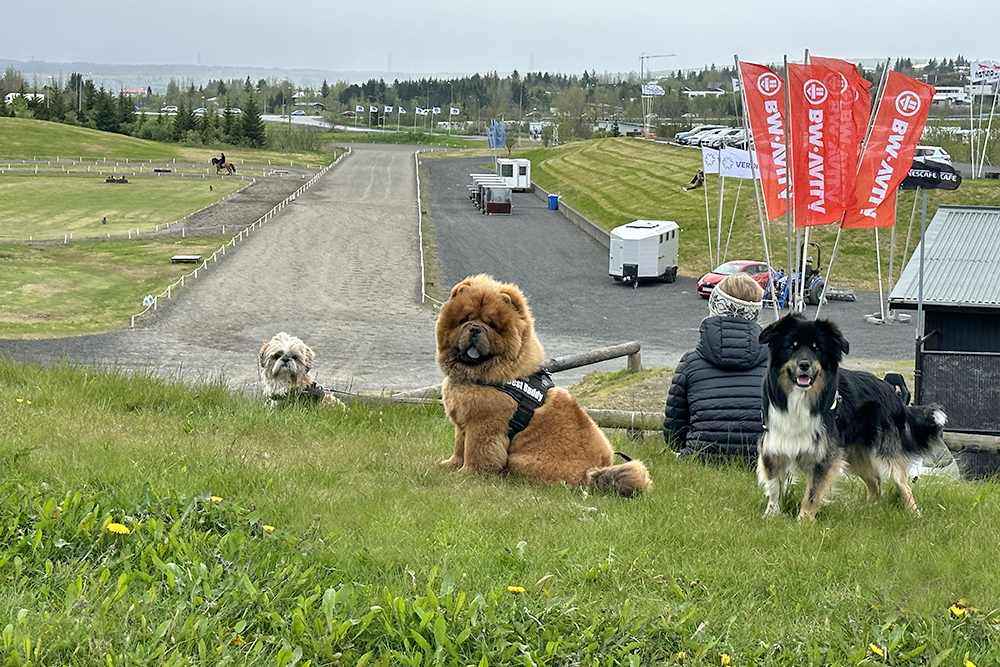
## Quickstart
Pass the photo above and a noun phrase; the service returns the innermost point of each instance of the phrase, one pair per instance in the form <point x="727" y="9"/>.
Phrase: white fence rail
<point x="152" y="302"/>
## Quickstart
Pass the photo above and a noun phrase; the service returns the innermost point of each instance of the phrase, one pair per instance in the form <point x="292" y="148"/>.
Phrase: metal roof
<point x="961" y="260"/>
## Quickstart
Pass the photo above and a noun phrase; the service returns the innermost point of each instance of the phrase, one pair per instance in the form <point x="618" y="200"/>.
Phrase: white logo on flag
<point x="737" y="163"/>
<point x="709" y="160"/>
<point x="814" y="91"/>
<point x="907" y="103"/>
<point x="768" y="84"/>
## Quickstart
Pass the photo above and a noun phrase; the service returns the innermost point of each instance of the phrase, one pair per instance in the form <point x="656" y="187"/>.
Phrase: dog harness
<point x="314" y="392"/>
<point x="529" y="392"/>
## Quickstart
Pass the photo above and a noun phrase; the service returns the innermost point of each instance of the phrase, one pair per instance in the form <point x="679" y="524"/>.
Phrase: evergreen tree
<point x="324" y="90"/>
<point x="253" y="125"/>
<point x="184" y="122"/>
<point x="105" y="118"/>
<point x="125" y="111"/>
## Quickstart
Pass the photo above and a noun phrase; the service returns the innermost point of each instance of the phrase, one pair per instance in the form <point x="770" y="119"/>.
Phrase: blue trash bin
<point x="553" y="202"/>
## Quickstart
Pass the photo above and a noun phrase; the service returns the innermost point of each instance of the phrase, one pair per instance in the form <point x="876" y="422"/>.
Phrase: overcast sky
<point x="453" y="36"/>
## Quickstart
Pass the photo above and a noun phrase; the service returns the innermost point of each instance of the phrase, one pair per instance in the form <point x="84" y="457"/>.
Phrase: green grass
<point x="617" y="180"/>
<point x="379" y="556"/>
<point x="87" y="286"/>
<point x="51" y="207"/>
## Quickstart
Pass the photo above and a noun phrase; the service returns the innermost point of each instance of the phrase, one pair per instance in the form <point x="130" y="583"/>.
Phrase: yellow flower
<point x="681" y="655"/>
<point x="725" y="659"/>
<point x="877" y="650"/>
<point x="969" y="663"/>
<point x="215" y="499"/>
<point x="516" y="589"/>
<point x="957" y="611"/>
<point x="118" y="528"/>
<point x="267" y="528"/>
<point x="22" y="400"/>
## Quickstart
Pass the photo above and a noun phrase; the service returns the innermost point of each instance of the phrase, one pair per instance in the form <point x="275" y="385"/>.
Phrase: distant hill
<point x="120" y="77"/>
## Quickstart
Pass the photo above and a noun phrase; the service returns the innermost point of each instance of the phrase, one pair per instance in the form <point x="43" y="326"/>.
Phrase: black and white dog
<point x="817" y="416"/>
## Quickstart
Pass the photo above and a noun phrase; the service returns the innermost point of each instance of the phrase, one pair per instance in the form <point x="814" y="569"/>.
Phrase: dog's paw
<point x="453" y="462"/>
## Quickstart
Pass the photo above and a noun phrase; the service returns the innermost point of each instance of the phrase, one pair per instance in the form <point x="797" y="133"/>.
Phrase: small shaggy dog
<point x="284" y="364"/>
<point x="818" y="416"/>
<point x="509" y="416"/>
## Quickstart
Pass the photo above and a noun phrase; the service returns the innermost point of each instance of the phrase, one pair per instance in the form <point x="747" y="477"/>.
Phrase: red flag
<point x="822" y="177"/>
<point x="899" y="122"/>
<point x="765" y="108"/>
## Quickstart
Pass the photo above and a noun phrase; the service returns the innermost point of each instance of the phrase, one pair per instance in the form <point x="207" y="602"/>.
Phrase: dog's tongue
<point x="473" y="352"/>
<point x="803" y="380"/>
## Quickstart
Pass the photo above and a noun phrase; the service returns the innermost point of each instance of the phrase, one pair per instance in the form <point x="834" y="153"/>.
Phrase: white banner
<point x="400" y="110"/>
<point x="984" y="70"/>
<point x="652" y="89"/>
<point x="388" y="108"/>
<point x="373" y="109"/>
<point x="709" y="160"/>
<point x="359" y="109"/>
<point x="420" y="112"/>
<point x="738" y="163"/>
<point x="454" y="111"/>
<point x="436" y="110"/>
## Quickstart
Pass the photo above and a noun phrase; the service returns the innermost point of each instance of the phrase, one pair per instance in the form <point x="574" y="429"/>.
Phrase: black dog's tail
<point x="924" y="427"/>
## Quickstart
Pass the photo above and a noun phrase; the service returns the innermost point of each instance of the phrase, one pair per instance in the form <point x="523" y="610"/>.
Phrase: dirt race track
<point x="339" y="267"/>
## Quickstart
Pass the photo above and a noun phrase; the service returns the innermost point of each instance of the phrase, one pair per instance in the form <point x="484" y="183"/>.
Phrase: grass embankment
<point x="87" y="287"/>
<point x="615" y="181"/>
<point x="409" y="137"/>
<point x="379" y="556"/>
<point x="54" y="207"/>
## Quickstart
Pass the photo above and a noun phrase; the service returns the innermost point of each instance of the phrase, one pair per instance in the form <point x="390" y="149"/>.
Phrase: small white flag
<point x="400" y="110"/>
<point x="436" y="110"/>
<point x="420" y="112"/>
<point x="737" y="163"/>
<point x="388" y="108"/>
<point x="709" y="160"/>
<point x="454" y="111"/>
<point x="359" y="109"/>
<point x="373" y="109"/>
<point x="736" y="85"/>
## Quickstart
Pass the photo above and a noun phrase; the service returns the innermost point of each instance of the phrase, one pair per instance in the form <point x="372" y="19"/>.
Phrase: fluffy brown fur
<point x="486" y="336"/>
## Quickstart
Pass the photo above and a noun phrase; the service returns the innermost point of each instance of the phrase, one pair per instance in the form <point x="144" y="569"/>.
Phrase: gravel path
<point x="338" y="267"/>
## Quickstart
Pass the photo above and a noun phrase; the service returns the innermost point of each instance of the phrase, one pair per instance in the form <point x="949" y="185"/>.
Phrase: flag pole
<point x="790" y="201"/>
<point x="989" y="126"/>
<point x="708" y="223"/>
<point x="718" y="242"/>
<point x="755" y="170"/>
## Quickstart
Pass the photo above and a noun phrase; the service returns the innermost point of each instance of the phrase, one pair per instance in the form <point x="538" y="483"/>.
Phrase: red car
<point x="756" y="270"/>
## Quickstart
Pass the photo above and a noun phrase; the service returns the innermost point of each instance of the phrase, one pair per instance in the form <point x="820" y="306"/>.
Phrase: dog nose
<point x="804" y="365"/>
<point x="475" y="330"/>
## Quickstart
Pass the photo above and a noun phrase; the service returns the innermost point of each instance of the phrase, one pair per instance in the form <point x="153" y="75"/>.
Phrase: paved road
<point x="577" y="306"/>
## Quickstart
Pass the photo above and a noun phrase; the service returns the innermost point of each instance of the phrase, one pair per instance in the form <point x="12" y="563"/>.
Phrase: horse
<point x="221" y="164"/>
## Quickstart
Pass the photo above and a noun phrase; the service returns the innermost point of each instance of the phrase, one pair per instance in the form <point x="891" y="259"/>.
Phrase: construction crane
<point x="643" y="57"/>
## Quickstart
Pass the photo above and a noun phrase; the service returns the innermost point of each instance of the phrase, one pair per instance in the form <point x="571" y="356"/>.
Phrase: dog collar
<point x="529" y="392"/>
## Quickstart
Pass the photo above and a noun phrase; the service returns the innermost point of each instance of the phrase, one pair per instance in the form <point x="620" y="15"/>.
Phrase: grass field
<point x="87" y="287"/>
<point x="614" y="181"/>
<point x="51" y="207"/>
<point x="407" y="137"/>
<point x="185" y="525"/>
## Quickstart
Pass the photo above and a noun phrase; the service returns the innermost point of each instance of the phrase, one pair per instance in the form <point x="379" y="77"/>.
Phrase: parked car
<point x="933" y="153"/>
<point x="680" y="137"/>
<point x="695" y="138"/>
<point x="756" y="270"/>
<point x="200" y="111"/>
<point x="725" y="137"/>
<point x="298" y="112"/>
<point x="170" y="109"/>
<point x="704" y="138"/>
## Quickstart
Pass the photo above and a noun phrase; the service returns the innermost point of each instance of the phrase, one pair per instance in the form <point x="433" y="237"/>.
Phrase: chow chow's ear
<point x="512" y="295"/>
<point x="263" y="353"/>
<point x="779" y="328"/>
<point x="460" y="287"/>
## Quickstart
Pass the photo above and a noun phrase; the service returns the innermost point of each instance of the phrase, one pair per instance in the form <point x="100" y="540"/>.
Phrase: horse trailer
<point x="644" y="249"/>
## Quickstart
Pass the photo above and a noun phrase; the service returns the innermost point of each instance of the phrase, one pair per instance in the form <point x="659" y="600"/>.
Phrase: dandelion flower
<point x="681" y="655"/>
<point x="877" y="650"/>
<point x="20" y="400"/>
<point x="118" y="528"/>
<point x="958" y="611"/>
<point x="969" y="663"/>
<point x="215" y="499"/>
<point x="516" y="589"/>
<point x="267" y="528"/>
<point x="725" y="659"/>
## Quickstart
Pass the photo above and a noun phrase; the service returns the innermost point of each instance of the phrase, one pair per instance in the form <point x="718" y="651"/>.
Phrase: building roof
<point x="961" y="261"/>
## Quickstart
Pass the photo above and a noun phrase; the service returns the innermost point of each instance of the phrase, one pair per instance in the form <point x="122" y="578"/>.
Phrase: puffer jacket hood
<point x="731" y="343"/>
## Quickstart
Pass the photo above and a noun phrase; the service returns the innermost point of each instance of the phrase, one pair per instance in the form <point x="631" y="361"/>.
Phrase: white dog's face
<point x="285" y="362"/>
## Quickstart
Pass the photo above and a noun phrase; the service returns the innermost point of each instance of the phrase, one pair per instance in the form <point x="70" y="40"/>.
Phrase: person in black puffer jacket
<point x="714" y="404"/>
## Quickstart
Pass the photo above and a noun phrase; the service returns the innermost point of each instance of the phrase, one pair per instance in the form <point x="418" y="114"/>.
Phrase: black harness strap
<point x="529" y="392"/>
